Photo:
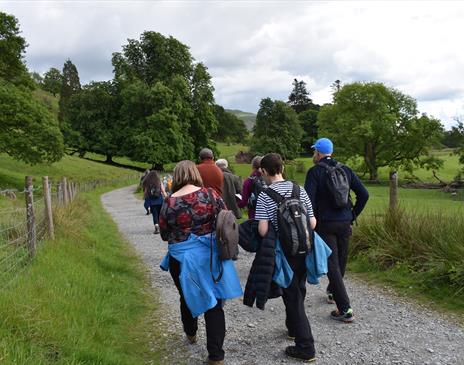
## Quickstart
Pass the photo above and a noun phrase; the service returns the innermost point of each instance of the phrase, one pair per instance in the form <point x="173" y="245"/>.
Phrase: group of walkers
<point x="298" y="233"/>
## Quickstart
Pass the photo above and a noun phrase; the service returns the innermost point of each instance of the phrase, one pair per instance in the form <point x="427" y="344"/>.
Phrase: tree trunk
<point x="109" y="159"/>
<point x="157" y="167"/>
<point x="369" y="160"/>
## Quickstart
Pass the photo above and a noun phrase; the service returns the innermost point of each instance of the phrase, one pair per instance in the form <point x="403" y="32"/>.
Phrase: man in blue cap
<point x="328" y="185"/>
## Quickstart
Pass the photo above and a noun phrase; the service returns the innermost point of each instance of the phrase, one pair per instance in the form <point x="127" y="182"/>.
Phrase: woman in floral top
<point x="190" y="210"/>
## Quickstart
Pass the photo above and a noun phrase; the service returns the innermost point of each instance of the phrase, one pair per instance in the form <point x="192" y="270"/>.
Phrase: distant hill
<point x="248" y="118"/>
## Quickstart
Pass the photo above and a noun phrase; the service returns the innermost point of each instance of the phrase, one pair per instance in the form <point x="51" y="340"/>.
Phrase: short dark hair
<point x="272" y="163"/>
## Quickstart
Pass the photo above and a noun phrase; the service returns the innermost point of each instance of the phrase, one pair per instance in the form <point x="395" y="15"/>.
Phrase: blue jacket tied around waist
<point x="316" y="260"/>
<point x="200" y="291"/>
<point x="316" y="263"/>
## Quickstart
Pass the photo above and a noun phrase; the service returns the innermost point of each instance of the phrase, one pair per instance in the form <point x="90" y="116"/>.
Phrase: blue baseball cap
<point x="324" y="145"/>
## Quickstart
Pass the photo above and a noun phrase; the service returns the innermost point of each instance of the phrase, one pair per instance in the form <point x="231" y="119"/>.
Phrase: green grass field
<point x="12" y="173"/>
<point x="411" y="199"/>
<point x="85" y="299"/>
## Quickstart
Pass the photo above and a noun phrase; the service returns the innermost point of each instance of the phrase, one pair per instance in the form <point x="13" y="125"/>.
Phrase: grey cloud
<point x="254" y="49"/>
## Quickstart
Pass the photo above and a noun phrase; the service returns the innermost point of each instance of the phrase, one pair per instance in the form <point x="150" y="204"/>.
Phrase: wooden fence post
<point x="30" y="220"/>
<point x="70" y="198"/>
<point x="59" y="193"/>
<point x="393" y="191"/>
<point x="64" y="188"/>
<point x="48" y="207"/>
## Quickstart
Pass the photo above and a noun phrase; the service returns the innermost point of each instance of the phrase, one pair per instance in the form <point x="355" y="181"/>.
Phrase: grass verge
<point x="85" y="299"/>
<point x="418" y="253"/>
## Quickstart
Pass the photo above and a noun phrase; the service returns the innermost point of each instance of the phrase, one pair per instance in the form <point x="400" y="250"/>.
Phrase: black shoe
<point x="147" y="213"/>
<point x="296" y="353"/>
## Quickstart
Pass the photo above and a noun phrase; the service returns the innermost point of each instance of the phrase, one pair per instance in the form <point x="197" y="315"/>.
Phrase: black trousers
<point x="337" y="236"/>
<point x="155" y="211"/>
<point x="214" y="318"/>
<point x="296" y="319"/>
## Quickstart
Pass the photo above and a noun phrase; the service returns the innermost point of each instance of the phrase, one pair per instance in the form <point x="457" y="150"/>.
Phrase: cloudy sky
<point x="254" y="49"/>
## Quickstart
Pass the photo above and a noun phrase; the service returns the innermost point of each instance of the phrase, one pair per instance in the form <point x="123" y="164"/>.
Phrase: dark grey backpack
<point x="295" y="234"/>
<point x="338" y="184"/>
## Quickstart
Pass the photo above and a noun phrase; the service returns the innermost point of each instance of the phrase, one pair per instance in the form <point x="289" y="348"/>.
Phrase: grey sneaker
<point x="346" y="317"/>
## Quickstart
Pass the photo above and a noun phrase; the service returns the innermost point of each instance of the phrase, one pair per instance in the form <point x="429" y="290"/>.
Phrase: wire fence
<point x="23" y="229"/>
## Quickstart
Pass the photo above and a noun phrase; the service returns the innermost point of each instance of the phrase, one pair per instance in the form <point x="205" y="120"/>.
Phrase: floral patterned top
<point x="190" y="213"/>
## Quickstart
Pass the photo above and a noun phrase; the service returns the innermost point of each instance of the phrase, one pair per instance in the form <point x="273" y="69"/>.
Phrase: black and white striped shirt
<point x="266" y="208"/>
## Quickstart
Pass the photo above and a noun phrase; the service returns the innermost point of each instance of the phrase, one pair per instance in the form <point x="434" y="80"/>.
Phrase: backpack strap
<point x="213" y="201"/>
<point x="295" y="191"/>
<point x="274" y="195"/>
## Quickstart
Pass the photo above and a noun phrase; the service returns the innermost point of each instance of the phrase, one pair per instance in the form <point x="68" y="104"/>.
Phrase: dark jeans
<point x="214" y="319"/>
<point x="337" y="235"/>
<point x="296" y="320"/>
<point x="146" y="205"/>
<point x="155" y="211"/>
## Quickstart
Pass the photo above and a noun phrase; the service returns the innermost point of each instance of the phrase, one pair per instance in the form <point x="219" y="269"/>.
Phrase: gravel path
<point x="387" y="330"/>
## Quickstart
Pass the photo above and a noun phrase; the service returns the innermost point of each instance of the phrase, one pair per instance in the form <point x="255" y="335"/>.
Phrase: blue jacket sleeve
<point x="362" y="195"/>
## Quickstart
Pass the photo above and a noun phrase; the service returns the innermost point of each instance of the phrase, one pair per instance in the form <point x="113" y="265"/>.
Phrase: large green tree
<point x="381" y="125"/>
<point x="299" y="98"/>
<point x="12" y="49"/>
<point x="28" y="131"/>
<point x="307" y="112"/>
<point x="156" y="66"/>
<point x="276" y="130"/>
<point x="52" y="81"/>
<point x="154" y="129"/>
<point x="70" y="84"/>
<point x="93" y="116"/>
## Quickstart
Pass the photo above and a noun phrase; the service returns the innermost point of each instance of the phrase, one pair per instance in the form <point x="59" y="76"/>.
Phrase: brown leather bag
<point x="226" y="228"/>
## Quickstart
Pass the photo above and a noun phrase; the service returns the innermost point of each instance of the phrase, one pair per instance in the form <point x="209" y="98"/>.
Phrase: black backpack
<point x="258" y="185"/>
<point x="338" y="185"/>
<point x="295" y="234"/>
<point x="154" y="192"/>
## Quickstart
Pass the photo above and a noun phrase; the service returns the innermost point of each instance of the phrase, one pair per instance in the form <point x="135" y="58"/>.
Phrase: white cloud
<point x="255" y="48"/>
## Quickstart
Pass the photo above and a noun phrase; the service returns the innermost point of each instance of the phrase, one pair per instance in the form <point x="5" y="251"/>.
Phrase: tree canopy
<point x="167" y="99"/>
<point x="52" y="81"/>
<point x="12" y="48"/>
<point x="381" y="125"/>
<point x="93" y="116"/>
<point x="299" y="98"/>
<point x="307" y="112"/>
<point x="70" y="84"/>
<point x="28" y="130"/>
<point x="276" y="130"/>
